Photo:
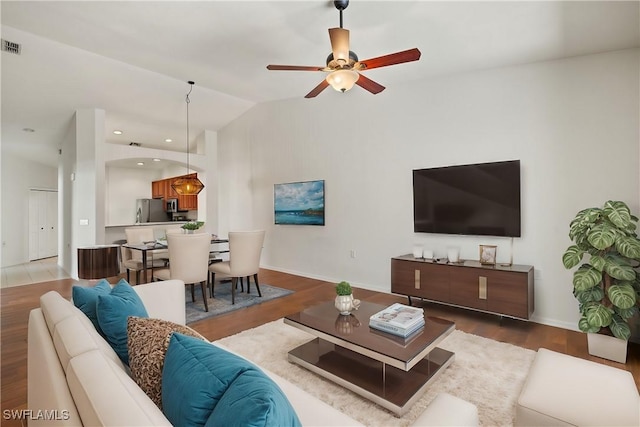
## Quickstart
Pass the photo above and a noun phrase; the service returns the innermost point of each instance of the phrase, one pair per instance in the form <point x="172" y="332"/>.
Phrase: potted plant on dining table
<point x="191" y="226"/>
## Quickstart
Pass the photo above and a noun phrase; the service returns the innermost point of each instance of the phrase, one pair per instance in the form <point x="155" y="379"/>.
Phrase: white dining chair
<point x="132" y="259"/>
<point x="245" y="248"/>
<point x="188" y="261"/>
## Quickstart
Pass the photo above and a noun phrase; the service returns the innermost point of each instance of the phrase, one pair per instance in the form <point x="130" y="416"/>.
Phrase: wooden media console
<point x="502" y="290"/>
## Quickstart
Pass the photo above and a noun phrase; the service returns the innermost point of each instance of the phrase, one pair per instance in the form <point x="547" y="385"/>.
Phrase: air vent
<point x="135" y="144"/>
<point x="11" y="47"/>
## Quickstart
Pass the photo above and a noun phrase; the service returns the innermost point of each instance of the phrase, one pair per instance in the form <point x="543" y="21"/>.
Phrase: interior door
<point x="34" y="229"/>
<point x="43" y="224"/>
<point x="52" y="223"/>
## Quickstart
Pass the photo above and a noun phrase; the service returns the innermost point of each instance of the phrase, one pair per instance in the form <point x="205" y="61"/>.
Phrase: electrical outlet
<point x="353" y="253"/>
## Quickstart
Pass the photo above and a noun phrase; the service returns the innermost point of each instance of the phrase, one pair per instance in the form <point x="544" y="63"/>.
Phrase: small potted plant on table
<point x="607" y="284"/>
<point x="344" y="299"/>
<point x="191" y="226"/>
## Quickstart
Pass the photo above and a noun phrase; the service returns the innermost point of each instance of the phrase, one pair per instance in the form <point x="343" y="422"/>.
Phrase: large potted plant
<point x="606" y="283"/>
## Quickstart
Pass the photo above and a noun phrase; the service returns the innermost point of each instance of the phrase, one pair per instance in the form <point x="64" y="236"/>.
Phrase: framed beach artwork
<point x="299" y="203"/>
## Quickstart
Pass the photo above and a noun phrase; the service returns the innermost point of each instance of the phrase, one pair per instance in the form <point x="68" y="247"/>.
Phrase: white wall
<point x="573" y="124"/>
<point x="18" y="176"/>
<point x="123" y="187"/>
<point x="66" y="169"/>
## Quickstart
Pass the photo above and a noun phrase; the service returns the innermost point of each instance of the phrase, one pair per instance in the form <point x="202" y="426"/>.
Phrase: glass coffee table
<point x="386" y="369"/>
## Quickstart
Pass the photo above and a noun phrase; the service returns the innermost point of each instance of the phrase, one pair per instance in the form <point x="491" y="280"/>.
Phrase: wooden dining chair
<point x="188" y="261"/>
<point x="245" y="248"/>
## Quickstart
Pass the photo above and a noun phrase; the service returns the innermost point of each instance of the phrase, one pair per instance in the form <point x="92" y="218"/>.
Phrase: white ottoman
<point x="562" y="390"/>
<point x="448" y="410"/>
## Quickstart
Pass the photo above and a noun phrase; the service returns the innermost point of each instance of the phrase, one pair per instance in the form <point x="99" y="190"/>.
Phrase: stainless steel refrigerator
<point x="150" y="210"/>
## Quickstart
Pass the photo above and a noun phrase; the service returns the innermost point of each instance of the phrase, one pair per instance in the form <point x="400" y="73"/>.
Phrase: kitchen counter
<point x="115" y="233"/>
<point x="147" y="224"/>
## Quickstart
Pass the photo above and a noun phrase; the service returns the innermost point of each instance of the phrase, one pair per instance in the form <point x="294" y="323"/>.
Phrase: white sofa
<point x="75" y="378"/>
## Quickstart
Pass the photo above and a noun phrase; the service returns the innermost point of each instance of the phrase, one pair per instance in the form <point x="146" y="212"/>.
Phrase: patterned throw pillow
<point x="147" y="341"/>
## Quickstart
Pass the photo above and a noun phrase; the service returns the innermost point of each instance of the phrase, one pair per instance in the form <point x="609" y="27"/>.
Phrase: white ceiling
<point x="133" y="58"/>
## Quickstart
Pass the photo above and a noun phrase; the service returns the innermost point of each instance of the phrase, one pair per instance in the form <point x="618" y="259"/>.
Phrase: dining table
<point x="146" y="247"/>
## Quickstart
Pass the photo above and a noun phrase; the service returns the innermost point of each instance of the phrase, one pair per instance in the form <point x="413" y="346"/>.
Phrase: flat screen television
<point x="479" y="200"/>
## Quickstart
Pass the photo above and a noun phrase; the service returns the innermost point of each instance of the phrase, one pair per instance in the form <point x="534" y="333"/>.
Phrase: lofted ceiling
<point x="133" y="58"/>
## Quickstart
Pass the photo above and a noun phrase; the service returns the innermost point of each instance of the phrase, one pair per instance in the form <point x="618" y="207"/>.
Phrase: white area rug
<point x="488" y="373"/>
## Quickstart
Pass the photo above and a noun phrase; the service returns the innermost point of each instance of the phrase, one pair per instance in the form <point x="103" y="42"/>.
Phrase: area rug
<point x="221" y="302"/>
<point x="488" y="373"/>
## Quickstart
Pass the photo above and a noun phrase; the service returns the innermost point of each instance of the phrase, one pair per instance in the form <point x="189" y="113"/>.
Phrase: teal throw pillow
<point x="86" y="299"/>
<point x="253" y="399"/>
<point x="113" y="311"/>
<point x="205" y="385"/>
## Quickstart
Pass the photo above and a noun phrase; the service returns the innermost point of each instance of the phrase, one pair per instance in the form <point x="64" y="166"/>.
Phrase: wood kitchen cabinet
<point x="502" y="290"/>
<point x="157" y="190"/>
<point x="162" y="189"/>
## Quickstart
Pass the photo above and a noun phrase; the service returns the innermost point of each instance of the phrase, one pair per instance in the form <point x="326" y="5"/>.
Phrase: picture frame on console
<point x="488" y="254"/>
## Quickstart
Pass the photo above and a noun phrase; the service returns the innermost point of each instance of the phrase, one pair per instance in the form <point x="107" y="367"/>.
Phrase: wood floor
<point x="16" y="302"/>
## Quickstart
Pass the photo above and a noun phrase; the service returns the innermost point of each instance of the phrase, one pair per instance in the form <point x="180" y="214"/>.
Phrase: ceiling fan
<point x="343" y="65"/>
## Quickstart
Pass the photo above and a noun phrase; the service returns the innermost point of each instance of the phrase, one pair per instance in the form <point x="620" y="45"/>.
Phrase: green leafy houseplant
<point x="607" y="284"/>
<point x="343" y="288"/>
<point x="192" y="225"/>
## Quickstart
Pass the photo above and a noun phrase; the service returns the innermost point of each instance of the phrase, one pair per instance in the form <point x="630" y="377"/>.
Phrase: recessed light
<point x="28" y="130"/>
<point x="156" y="160"/>
<point x="140" y="164"/>
<point x="117" y="132"/>
<point x="168" y="140"/>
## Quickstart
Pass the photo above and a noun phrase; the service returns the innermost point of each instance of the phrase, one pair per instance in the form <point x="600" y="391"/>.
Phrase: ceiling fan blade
<point x="316" y="90"/>
<point x="391" y="59"/>
<point x="369" y="84"/>
<point x="339" y="44"/>
<point x="293" y="68"/>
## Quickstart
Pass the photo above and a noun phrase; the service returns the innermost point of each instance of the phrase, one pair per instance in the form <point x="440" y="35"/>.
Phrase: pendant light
<point x="187" y="186"/>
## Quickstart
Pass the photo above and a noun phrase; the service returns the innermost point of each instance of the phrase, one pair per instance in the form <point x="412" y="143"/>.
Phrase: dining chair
<point x="131" y="258"/>
<point x="245" y="248"/>
<point x="169" y="230"/>
<point x="188" y="261"/>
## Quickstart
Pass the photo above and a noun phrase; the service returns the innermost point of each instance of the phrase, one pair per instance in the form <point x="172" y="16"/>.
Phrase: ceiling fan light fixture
<point x="342" y="80"/>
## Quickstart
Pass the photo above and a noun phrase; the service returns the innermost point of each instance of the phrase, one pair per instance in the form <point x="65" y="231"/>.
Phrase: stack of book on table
<point x="398" y="319"/>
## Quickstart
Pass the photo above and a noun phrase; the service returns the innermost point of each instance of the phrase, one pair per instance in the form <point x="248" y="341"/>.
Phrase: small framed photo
<point x="488" y="254"/>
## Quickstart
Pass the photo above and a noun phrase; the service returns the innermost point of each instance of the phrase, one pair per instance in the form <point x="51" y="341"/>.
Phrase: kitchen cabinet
<point x="162" y="189"/>
<point x="157" y="190"/>
<point x="502" y="290"/>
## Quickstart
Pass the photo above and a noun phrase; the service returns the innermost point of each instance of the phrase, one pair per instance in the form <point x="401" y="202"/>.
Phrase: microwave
<point x="172" y="205"/>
